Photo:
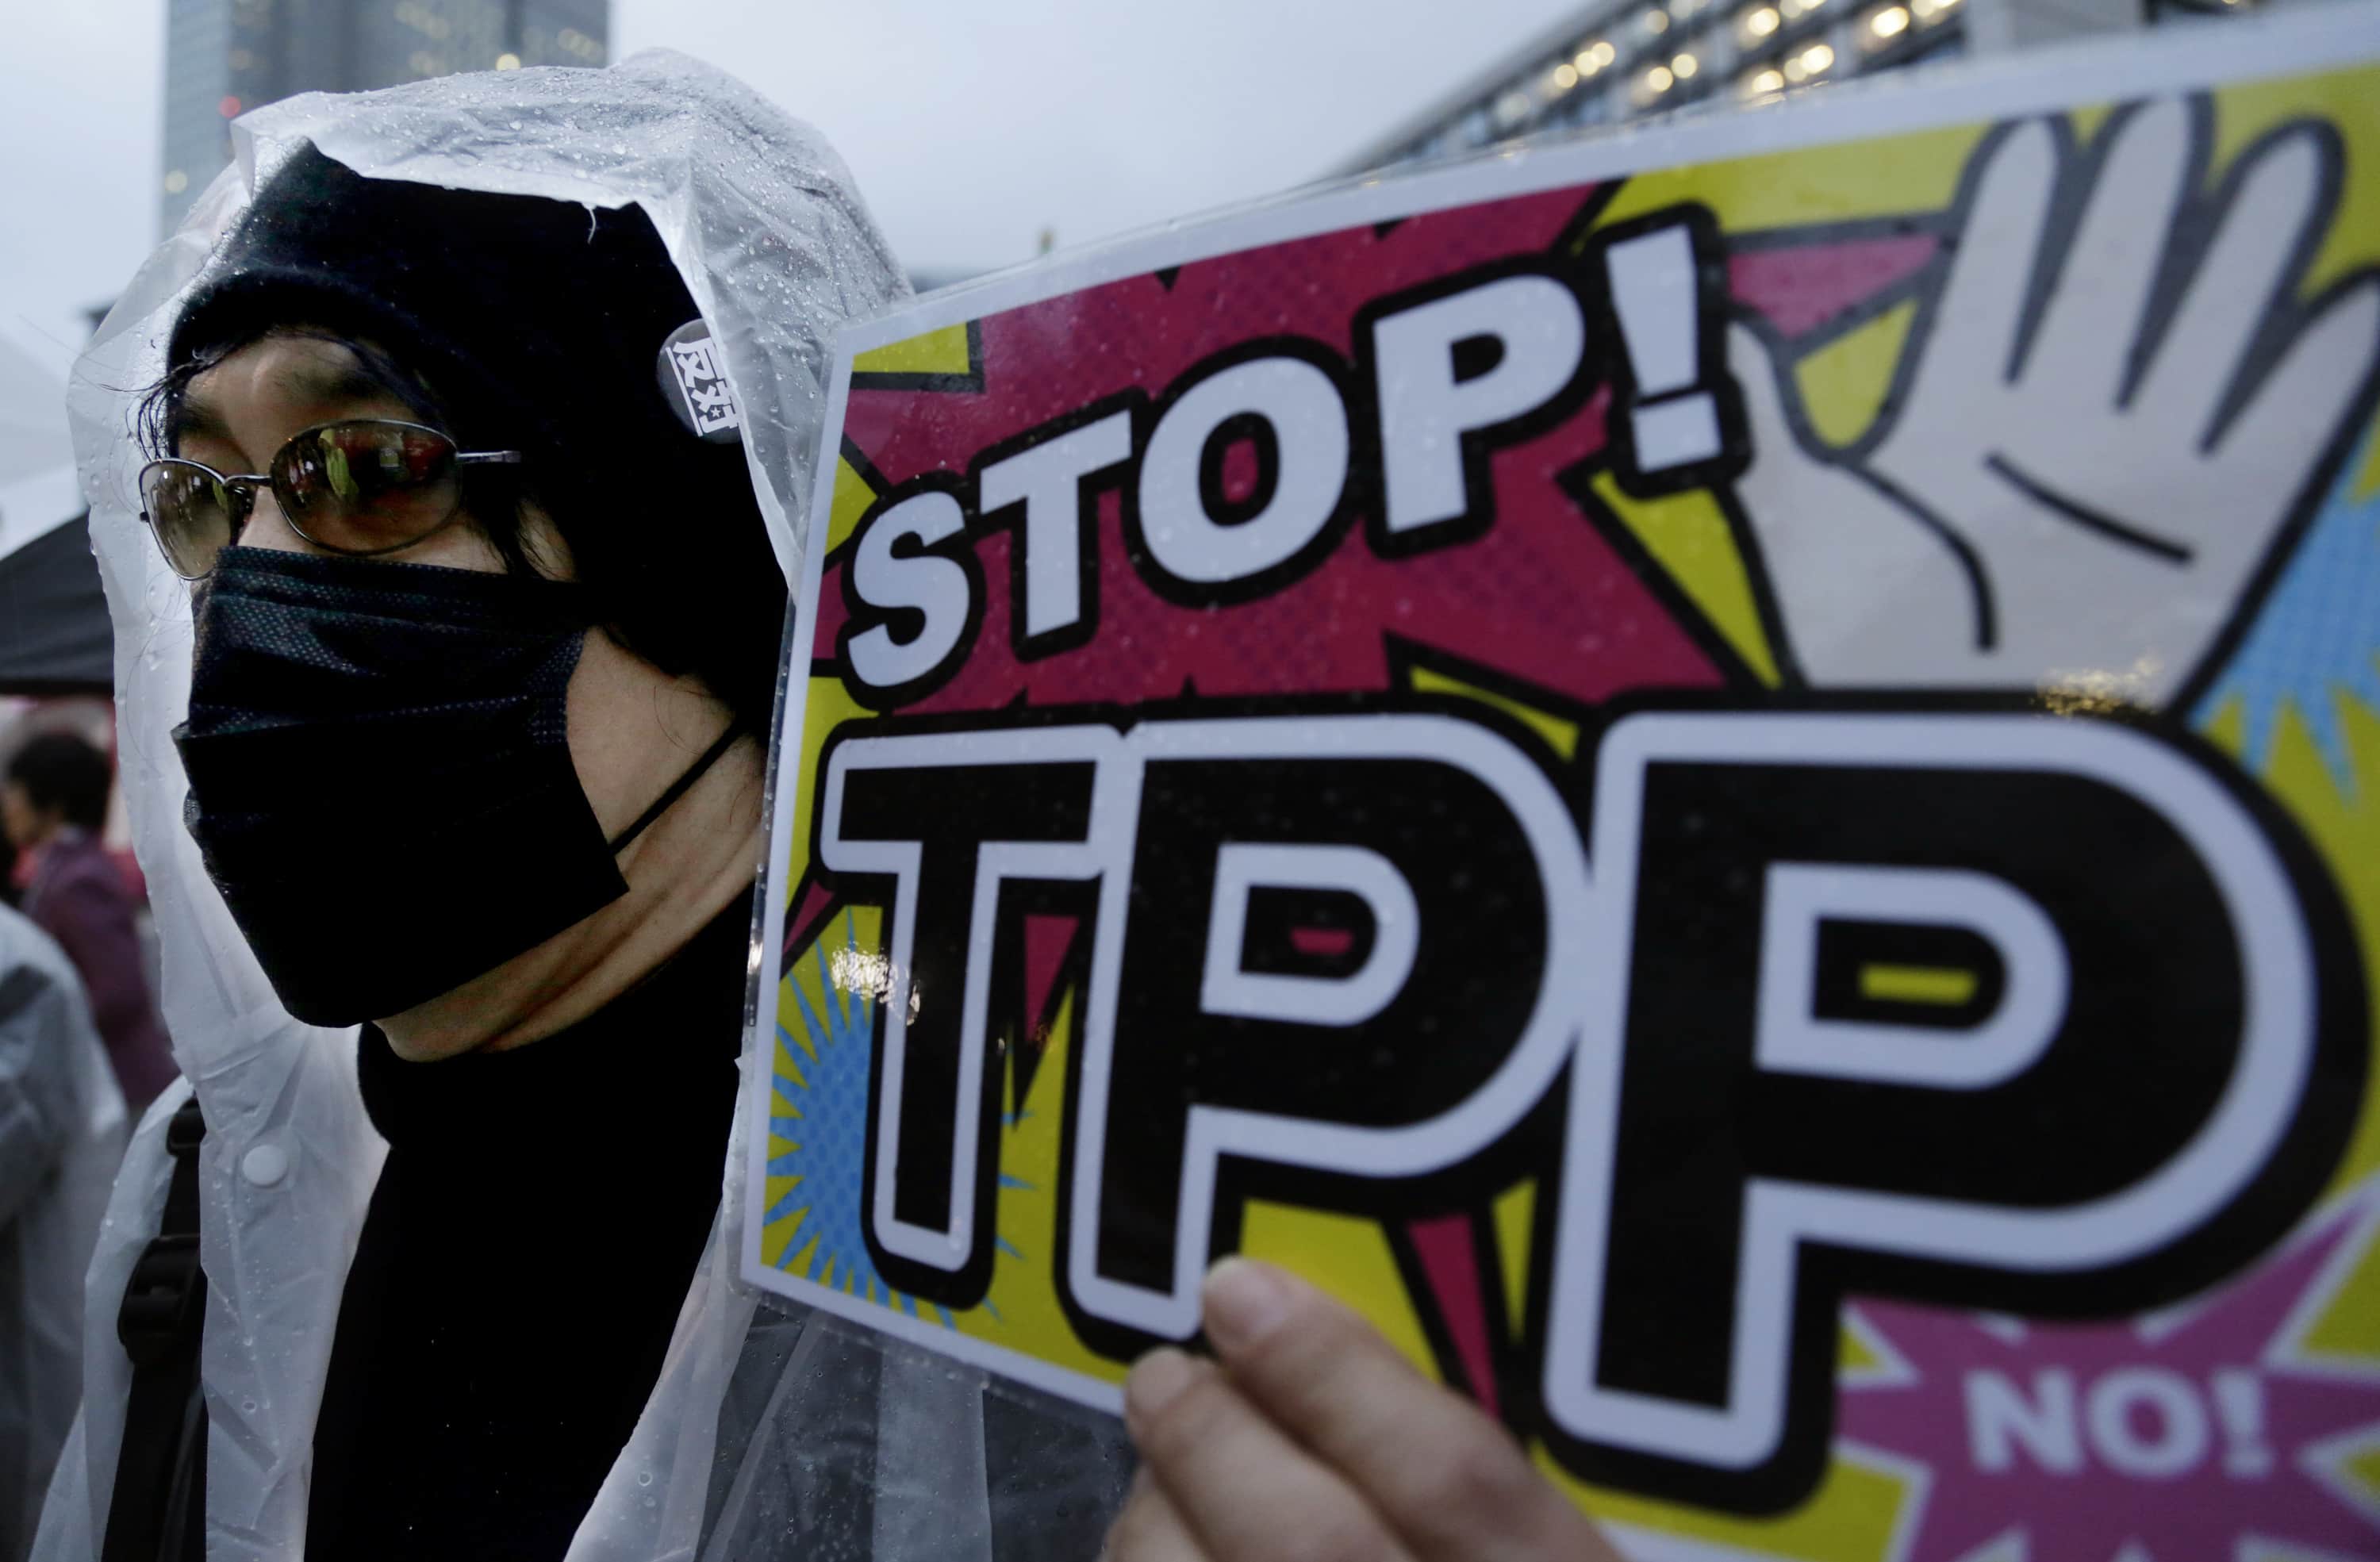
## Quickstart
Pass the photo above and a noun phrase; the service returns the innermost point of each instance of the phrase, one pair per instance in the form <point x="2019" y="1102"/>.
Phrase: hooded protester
<point x="450" y="653"/>
<point x="449" y="650"/>
<point x="61" y="1134"/>
<point x="54" y="802"/>
<point x="546" y="717"/>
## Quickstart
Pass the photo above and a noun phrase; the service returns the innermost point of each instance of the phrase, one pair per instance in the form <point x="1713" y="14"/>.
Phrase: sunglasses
<point x="366" y="486"/>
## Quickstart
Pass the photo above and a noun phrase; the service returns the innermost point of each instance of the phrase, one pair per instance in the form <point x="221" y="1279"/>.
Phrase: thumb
<point x="1777" y="454"/>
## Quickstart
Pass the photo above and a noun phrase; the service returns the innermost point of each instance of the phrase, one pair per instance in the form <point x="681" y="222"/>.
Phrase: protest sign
<point x="1730" y="778"/>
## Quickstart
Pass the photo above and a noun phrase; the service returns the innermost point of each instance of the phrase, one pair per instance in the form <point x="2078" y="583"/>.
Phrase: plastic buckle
<point x="159" y="1318"/>
<point x="185" y="1130"/>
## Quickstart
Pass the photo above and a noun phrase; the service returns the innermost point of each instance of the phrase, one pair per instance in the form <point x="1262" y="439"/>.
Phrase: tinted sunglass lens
<point x="366" y="486"/>
<point x="190" y="511"/>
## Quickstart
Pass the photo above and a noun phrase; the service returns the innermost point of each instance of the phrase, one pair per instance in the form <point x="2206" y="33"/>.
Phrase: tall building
<point x="224" y="58"/>
<point x="1618" y="60"/>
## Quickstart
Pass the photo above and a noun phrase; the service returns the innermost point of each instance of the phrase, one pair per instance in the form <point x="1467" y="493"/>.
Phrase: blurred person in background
<point x="53" y="805"/>
<point x="62" y="1125"/>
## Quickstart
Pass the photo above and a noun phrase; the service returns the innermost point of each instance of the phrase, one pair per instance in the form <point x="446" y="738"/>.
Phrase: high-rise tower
<point x="224" y="58"/>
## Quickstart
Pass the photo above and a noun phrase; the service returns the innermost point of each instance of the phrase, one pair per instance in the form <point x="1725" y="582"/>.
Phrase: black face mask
<point x="380" y="779"/>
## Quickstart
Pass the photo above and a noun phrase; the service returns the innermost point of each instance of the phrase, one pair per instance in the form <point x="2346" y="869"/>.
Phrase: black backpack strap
<point x="158" y="1510"/>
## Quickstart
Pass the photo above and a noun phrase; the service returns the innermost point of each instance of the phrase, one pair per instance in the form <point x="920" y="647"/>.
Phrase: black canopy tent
<point x="54" y="637"/>
<point x="53" y="628"/>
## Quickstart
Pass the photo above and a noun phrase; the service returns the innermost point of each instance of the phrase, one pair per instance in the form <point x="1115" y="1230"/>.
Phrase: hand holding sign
<point x="1314" y="1439"/>
<point x="2016" y="510"/>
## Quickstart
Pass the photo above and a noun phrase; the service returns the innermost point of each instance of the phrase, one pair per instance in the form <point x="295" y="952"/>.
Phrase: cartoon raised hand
<point x="2111" y="416"/>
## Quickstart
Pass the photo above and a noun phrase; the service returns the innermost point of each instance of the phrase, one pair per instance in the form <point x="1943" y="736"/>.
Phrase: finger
<point x="1149" y="1530"/>
<point x="1244" y="1492"/>
<point x="1452" y="1482"/>
<point x="2085" y="337"/>
<point x="2235" y="288"/>
<point x="1760" y="377"/>
<point x="2297" y="411"/>
<point x="1785" y="477"/>
<point x="1994" y="254"/>
<point x="1825" y="537"/>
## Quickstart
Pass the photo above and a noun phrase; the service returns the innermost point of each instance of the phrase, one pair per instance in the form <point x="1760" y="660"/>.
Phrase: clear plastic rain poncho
<point x="771" y="1432"/>
<point x="61" y="1132"/>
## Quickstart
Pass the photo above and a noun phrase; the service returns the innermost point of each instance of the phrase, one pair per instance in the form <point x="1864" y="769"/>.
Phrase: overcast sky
<point x="972" y="124"/>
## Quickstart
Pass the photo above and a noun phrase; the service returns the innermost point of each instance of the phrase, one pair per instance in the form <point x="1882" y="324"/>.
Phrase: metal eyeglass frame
<point x="242" y="489"/>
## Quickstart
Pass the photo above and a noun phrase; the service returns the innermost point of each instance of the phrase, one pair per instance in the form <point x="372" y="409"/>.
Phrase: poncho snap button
<point x="264" y="1165"/>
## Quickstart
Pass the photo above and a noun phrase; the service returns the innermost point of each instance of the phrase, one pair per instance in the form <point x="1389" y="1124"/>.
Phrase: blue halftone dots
<point x="2317" y="638"/>
<point x="830" y="1095"/>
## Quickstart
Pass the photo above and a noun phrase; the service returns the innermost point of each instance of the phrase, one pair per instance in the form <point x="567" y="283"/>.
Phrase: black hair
<point x="516" y="322"/>
<point x="63" y="772"/>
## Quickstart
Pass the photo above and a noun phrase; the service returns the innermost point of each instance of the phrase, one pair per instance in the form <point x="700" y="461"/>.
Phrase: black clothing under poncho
<point x="527" y="1249"/>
